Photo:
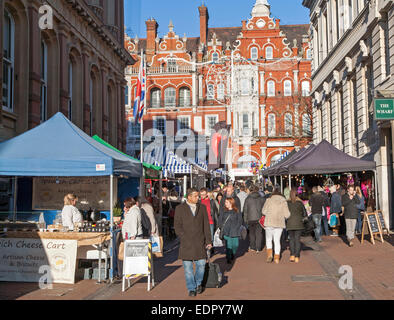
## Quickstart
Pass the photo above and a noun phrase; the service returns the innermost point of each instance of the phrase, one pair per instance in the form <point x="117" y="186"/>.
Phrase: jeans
<point x="350" y="227"/>
<point x="317" y="220"/>
<point x="273" y="234"/>
<point x="295" y="242"/>
<point x="232" y="245"/>
<point x="255" y="235"/>
<point x="359" y="223"/>
<point x="194" y="279"/>
<point x="325" y="226"/>
<point x="212" y="227"/>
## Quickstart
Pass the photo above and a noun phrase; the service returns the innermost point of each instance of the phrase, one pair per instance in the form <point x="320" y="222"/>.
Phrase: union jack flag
<point x="139" y="102"/>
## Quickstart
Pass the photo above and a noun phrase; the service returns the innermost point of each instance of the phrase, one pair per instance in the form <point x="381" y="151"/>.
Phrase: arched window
<point x="171" y="66"/>
<point x="170" y="97"/>
<point x="306" y="125"/>
<point x="155" y="98"/>
<point x="184" y="97"/>
<point x="288" y="124"/>
<point x="269" y="52"/>
<point x="287" y="88"/>
<point x="215" y="57"/>
<point x="220" y="91"/>
<point x="271" y="125"/>
<point x="271" y="88"/>
<point x="44" y="82"/>
<point x="306" y="88"/>
<point x="8" y="61"/>
<point x="210" y="92"/>
<point x="308" y="54"/>
<point x="254" y="53"/>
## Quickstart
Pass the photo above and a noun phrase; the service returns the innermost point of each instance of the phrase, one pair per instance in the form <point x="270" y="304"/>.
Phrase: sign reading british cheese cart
<point x="29" y="260"/>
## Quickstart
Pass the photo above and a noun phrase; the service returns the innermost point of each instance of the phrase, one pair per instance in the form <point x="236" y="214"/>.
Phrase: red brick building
<point x="256" y="77"/>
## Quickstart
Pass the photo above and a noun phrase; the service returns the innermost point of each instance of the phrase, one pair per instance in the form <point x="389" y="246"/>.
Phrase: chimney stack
<point x="151" y="34"/>
<point x="203" y="24"/>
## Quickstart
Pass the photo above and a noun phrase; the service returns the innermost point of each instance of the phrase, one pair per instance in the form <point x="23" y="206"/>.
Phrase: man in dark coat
<point x="317" y="202"/>
<point x="349" y="202"/>
<point x="230" y="193"/>
<point x="192" y="227"/>
<point x="253" y="207"/>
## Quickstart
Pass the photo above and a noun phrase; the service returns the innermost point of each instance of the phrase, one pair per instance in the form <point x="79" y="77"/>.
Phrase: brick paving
<point x="250" y="278"/>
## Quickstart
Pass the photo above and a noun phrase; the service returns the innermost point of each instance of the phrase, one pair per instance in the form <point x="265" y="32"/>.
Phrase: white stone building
<point x="353" y="63"/>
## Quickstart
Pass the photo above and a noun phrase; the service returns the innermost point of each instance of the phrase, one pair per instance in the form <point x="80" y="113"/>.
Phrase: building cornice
<point x="97" y="26"/>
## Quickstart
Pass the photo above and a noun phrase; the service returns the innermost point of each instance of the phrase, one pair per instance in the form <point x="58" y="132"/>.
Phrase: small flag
<point x="138" y="111"/>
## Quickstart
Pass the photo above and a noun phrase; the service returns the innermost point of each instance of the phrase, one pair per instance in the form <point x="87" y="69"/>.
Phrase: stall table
<point x="95" y="239"/>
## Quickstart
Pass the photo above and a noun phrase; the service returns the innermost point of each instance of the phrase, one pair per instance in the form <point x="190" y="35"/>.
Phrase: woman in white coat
<point x="70" y="214"/>
<point x="132" y="224"/>
<point x="276" y="212"/>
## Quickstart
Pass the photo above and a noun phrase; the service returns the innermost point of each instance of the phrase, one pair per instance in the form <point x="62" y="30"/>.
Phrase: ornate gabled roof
<point x="230" y="34"/>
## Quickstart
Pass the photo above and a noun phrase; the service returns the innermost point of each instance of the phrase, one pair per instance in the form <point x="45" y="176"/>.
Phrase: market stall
<point x="58" y="148"/>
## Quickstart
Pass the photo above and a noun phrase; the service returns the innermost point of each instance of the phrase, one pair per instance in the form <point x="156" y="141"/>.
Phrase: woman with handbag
<point x="276" y="211"/>
<point x="295" y="224"/>
<point x="230" y="223"/>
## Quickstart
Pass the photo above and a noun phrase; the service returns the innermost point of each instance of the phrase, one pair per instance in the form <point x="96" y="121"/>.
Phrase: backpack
<point x="146" y="225"/>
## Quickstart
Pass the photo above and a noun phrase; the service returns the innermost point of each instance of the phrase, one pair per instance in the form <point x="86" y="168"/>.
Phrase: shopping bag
<point x="333" y="220"/>
<point x="157" y="246"/>
<point x="261" y="221"/>
<point x="244" y="232"/>
<point x="216" y="239"/>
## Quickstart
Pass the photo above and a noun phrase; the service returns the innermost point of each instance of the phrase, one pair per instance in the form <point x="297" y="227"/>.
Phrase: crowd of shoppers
<point x="198" y="218"/>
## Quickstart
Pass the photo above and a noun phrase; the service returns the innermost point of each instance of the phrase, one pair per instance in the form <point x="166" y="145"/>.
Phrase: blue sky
<point x="185" y="16"/>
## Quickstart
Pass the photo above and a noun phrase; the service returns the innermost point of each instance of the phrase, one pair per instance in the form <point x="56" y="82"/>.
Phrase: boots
<point x="269" y="255"/>
<point x="276" y="259"/>
<point x="297" y="260"/>
<point x="292" y="258"/>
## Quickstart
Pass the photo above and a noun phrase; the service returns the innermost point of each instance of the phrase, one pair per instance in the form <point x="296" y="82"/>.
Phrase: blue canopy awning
<point x="59" y="148"/>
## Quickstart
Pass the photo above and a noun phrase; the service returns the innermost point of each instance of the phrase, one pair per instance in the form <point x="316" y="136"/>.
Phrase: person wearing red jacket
<point x="204" y="198"/>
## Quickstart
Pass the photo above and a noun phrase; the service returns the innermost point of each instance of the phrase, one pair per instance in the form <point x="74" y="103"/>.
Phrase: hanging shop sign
<point x="35" y="260"/>
<point x="92" y="192"/>
<point x="384" y="109"/>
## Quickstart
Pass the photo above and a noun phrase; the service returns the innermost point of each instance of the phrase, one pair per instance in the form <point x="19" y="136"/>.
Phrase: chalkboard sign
<point x="372" y="225"/>
<point x="373" y="222"/>
<point x="381" y="219"/>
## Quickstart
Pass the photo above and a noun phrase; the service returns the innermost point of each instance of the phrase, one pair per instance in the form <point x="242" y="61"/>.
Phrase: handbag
<point x="121" y="251"/>
<point x="261" y="221"/>
<point x="221" y="235"/>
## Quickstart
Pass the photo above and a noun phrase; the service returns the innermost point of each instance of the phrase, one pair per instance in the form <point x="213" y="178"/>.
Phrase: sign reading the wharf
<point x="48" y="193"/>
<point x="21" y="259"/>
<point x="384" y="109"/>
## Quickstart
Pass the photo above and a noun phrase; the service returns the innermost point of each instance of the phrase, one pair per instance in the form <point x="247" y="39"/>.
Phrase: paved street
<point x="250" y="278"/>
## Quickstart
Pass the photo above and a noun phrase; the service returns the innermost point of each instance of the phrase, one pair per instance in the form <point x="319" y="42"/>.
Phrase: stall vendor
<point x="70" y="214"/>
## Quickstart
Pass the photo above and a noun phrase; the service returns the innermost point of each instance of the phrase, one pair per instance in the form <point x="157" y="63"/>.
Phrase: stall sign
<point x="21" y="260"/>
<point x="136" y="258"/>
<point x="384" y="109"/>
<point x="92" y="192"/>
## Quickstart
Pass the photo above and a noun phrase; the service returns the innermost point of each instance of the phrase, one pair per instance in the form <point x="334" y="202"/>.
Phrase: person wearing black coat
<point x="350" y="201"/>
<point x="230" y="193"/>
<point x="295" y="224"/>
<point x="253" y="207"/>
<point x="230" y="224"/>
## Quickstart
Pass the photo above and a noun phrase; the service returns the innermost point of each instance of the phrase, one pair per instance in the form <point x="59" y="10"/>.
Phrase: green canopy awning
<point x="146" y="165"/>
